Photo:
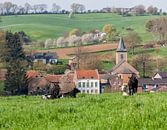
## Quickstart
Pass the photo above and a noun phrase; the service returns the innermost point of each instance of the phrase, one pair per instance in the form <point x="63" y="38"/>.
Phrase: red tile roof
<point x="53" y="78"/>
<point x="32" y="74"/>
<point x="87" y="74"/>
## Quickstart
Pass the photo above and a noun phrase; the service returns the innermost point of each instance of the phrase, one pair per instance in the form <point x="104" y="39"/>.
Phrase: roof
<point x="123" y="67"/>
<point x="163" y="74"/>
<point x="149" y="81"/>
<point x="87" y="74"/>
<point x="53" y="78"/>
<point x="125" y="71"/>
<point x="118" y="65"/>
<point x="121" y="46"/>
<point x="66" y="84"/>
<point x="32" y="74"/>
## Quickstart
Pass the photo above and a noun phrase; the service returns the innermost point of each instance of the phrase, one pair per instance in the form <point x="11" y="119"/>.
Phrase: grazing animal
<point x="133" y="84"/>
<point x="72" y="93"/>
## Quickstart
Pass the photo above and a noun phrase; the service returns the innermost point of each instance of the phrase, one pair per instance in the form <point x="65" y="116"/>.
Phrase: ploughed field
<point x="44" y="26"/>
<point x="105" y="111"/>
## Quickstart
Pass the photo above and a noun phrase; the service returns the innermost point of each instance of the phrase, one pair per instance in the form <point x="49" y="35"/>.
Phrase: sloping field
<point x="42" y="27"/>
<point x="86" y="112"/>
<point x="65" y="52"/>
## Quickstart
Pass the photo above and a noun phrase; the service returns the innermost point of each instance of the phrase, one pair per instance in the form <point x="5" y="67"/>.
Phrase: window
<point x="87" y="91"/>
<point x="92" y="77"/>
<point x="87" y="85"/>
<point x="83" y="91"/>
<point x="91" y="84"/>
<point x="83" y="77"/>
<point x="122" y="56"/>
<point x="92" y="91"/>
<point x="83" y="84"/>
<point x="96" y="84"/>
<point x="79" y="85"/>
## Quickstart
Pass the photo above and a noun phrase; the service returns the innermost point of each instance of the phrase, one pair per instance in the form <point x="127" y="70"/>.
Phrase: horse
<point x="133" y="84"/>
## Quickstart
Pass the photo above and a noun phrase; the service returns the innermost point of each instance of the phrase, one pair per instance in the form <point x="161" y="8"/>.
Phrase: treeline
<point x="9" y="8"/>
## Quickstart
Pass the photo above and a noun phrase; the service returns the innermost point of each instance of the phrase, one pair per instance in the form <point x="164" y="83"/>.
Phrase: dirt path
<point x="65" y="52"/>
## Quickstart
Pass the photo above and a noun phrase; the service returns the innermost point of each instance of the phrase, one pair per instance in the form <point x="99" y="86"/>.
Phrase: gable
<point x="157" y="76"/>
<point x="124" y="66"/>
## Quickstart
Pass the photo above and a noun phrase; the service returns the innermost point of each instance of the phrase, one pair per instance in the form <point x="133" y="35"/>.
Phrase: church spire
<point x="121" y="46"/>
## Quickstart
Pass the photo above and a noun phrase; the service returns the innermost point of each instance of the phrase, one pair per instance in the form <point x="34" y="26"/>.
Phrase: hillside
<point x="105" y="111"/>
<point x="41" y="27"/>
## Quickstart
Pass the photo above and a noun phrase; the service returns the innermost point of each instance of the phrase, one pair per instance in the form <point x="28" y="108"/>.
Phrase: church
<point x="122" y="68"/>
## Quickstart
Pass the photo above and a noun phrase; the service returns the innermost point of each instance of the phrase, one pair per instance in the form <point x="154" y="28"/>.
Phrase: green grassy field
<point x="91" y="112"/>
<point x="41" y="27"/>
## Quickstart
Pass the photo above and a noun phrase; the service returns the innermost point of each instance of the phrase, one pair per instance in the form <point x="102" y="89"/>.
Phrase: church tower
<point x="121" y="53"/>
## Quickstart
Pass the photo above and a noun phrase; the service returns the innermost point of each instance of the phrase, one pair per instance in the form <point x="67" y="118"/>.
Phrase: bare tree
<point x="158" y="27"/>
<point x="55" y="8"/>
<point x="139" y="10"/>
<point x="133" y="39"/>
<point x="27" y="7"/>
<point x="75" y="7"/>
<point x="152" y="10"/>
<point x="7" y="7"/>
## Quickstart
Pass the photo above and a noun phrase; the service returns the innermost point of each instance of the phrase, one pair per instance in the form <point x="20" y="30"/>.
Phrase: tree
<point x="16" y="64"/>
<point x="139" y="10"/>
<point x="152" y="10"/>
<point x="75" y="31"/>
<point x="7" y="6"/>
<point x="1" y="8"/>
<point x="75" y="7"/>
<point x="55" y="8"/>
<point x="27" y="7"/>
<point x="14" y="8"/>
<point x="143" y="63"/>
<point x="158" y="27"/>
<point x="108" y="30"/>
<point x="133" y="39"/>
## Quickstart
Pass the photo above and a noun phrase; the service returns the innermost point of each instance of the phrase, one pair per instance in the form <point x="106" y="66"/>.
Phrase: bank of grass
<point x="105" y="111"/>
<point x="44" y="26"/>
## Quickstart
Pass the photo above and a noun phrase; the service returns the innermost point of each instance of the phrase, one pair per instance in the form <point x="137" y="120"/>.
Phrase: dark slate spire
<point x="121" y="46"/>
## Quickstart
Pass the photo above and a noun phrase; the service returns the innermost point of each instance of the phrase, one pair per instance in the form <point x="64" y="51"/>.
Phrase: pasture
<point x="44" y="26"/>
<point x="105" y="111"/>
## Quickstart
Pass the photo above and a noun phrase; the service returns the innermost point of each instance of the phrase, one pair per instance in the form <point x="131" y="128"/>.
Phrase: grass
<point x="100" y="112"/>
<point x="41" y="27"/>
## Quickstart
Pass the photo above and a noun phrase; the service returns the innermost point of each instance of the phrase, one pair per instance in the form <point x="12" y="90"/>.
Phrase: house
<point x="110" y="83"/>
<point x="87" y="81"/>
<point x="45" y="57"/>
<point x="122" y="68"/>
<point x="160" y="75"/>
<point x="151" y="84"/>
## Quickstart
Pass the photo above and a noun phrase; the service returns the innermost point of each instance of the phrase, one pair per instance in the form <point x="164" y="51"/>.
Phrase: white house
<point x="87" y="81"/>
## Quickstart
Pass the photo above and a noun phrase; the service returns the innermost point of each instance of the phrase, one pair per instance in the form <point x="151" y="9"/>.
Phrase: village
<point x="91" y="81"/>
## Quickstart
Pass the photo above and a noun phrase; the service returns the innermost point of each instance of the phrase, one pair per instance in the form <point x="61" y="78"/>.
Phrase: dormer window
<point x="92" y="77"/>
<point x="83" y="77"/>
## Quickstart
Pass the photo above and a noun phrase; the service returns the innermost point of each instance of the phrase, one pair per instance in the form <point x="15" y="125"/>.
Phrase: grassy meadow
<point x="101" y="112"/>
<point x="41" y="27"/>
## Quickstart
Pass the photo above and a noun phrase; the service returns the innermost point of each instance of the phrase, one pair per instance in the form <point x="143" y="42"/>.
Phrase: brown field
<point x="64" y="53"/>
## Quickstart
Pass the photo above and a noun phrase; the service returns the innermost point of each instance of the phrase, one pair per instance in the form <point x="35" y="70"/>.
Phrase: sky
<point x="95" y="4"/>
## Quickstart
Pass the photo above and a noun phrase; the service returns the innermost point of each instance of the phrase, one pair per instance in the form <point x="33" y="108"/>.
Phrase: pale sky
<point x="95" y="4"/>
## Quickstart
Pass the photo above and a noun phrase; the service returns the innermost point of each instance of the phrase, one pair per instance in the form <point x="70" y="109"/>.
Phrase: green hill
<point x="41" y="27"/>
<point x="94" y="112"/>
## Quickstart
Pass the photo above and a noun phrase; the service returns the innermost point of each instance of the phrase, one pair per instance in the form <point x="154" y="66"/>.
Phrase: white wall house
<point x="87" y="81"/>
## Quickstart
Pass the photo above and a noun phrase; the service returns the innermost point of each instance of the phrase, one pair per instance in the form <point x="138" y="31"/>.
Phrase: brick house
<point x="87" y="81"/>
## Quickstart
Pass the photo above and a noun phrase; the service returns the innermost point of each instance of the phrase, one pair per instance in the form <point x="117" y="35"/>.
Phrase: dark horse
<point x="133" y="84"/>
